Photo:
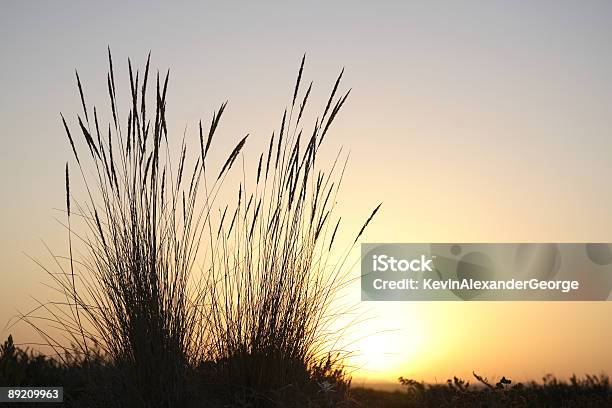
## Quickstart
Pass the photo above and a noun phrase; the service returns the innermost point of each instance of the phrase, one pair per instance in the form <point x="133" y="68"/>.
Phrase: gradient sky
<point x="473" y="122"/>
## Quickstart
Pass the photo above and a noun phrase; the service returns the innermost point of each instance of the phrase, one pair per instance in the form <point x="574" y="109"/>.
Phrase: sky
<point x="471" y="121"/>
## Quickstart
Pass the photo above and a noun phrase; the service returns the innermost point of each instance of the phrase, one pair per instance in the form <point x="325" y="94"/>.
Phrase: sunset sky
<point x="487" y="121"/>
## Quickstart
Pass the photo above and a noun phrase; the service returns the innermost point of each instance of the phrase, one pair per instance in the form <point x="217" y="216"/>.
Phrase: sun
<point x="381" y="353"/>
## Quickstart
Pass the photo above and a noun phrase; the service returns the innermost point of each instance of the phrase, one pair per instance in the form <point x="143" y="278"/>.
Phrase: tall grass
<point x="134" y="299"/>
<point x="271" y="280"/>
<point x="259" y="313"/>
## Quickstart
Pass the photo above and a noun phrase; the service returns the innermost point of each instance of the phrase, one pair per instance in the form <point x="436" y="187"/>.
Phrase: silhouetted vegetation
<point x="144" y="319"/>
<point x="96" y="383"/>
<point x="272" y="284"/>
<point x="590" y="391"/>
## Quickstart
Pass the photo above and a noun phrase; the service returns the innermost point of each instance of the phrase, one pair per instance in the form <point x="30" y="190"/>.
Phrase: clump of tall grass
<point x="260" y="314"/>
<point x="272" y="282"/>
